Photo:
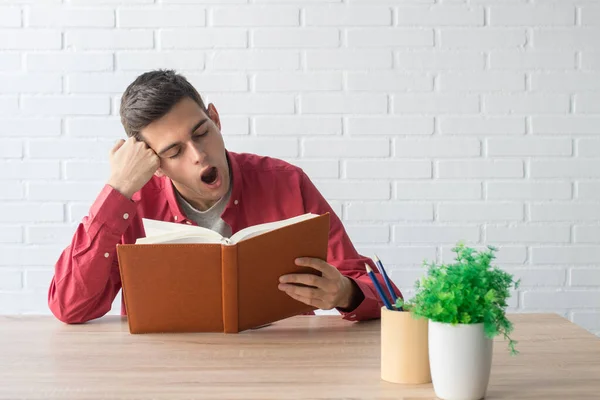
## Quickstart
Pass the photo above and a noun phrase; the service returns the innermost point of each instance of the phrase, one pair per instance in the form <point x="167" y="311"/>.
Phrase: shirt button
<point x="125" y="216"/>
<point x="106" y="255"/>
<point x="188" y="222"/>
<point x="235" y="202"/>
<point x="353" y="316"/>
<point x="175" y="218"/>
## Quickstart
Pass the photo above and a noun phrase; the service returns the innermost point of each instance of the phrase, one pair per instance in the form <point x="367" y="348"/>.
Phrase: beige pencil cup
<point x="404" y="348"/>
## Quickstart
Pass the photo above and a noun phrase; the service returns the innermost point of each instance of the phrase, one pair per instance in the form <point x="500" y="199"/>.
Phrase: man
<point x="174" y="167"/>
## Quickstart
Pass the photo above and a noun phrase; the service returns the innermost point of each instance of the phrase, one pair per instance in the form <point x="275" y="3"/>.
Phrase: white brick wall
<point x="57" y="17"/>
<point x="255" y="16"/>
<point x="118" y="39"/>
<point x="531" y="59"/>
<point x="538" y="15"/>
<point x="160" y="17"/>
<point x="352" y="59"/>
<point x="424" y="122"/>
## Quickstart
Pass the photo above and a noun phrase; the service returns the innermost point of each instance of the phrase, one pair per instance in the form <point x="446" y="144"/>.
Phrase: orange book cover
<point x="224" y="286"/>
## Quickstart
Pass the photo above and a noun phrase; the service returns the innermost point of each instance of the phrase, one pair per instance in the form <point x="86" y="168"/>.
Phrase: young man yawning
<point x="174" y="167"/>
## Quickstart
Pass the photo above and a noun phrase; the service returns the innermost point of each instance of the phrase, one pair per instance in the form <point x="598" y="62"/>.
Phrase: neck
<point x="198" y="203"/>
<point x="201" y="205"/>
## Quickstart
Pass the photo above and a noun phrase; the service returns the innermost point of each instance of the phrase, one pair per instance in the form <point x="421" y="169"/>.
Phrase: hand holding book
<point x="330" y="290"/>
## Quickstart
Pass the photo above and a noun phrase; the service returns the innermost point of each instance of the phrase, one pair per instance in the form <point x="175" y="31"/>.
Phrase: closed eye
<point x="198" y="135"/>
<point x="195" y="137"/>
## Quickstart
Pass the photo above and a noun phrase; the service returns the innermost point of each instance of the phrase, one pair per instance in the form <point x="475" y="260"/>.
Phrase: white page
<point x="256" y="230"/>
<point x="154" y="227"/>
<point x="170" y="232"/>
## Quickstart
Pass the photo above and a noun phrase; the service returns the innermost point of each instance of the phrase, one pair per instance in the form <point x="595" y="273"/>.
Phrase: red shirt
<point x="86" y="278"/>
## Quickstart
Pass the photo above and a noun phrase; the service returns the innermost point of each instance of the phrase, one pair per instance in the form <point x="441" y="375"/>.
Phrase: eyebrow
<point x="169" y="147"/>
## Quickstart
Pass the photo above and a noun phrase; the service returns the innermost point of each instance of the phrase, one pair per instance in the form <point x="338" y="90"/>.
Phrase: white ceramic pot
<point x="460" y="357"/>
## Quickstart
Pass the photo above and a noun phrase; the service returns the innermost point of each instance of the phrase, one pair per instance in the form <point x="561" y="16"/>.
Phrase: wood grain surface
<point x="305" y="357"/>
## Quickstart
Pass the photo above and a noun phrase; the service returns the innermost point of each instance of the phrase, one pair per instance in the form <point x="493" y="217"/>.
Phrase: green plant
<point x="469" y="291"/>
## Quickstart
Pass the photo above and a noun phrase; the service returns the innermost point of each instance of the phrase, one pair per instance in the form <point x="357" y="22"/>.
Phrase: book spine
<point x="229" y="282"/>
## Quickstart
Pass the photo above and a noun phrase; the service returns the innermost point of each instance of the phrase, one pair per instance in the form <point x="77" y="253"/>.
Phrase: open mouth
<point x="210" y="175"/>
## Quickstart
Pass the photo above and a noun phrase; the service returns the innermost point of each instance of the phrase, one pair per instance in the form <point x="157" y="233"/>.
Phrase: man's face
<point x="191" y="151"/>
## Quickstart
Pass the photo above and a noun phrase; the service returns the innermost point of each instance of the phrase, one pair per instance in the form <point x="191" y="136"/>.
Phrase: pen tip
<point x="368" y="268"/>
<point x="376" y="258"/>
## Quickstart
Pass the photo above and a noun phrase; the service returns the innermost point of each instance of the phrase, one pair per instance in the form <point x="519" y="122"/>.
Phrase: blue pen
<point x="386" y="280"/>
<point x="378" y="287"/>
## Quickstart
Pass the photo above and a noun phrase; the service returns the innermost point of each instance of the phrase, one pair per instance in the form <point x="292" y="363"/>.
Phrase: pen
<point x="378" y="287"/>
<point x="386" y="279"/>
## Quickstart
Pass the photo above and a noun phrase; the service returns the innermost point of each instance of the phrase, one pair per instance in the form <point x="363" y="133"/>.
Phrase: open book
<point x="182" y="278"/>
<point x="171" y="232"/>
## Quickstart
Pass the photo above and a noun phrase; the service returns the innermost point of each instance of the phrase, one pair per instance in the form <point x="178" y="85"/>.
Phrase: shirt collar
<point x="236" y="180"/>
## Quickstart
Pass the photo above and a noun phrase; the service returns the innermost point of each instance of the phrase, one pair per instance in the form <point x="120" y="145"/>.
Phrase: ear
<point x="213" y="114"/>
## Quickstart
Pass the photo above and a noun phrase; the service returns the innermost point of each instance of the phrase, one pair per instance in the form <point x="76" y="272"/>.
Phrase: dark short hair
<point x="151" y="96"/>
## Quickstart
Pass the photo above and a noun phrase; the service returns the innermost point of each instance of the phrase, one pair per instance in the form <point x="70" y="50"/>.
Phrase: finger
<point x="155" y="161"/>
<point x="151" y="151"/>
<point x="327" y="270"/>
<point x="304" y="279"/>
<point x="142" y="144"/>
<point x="306" y="300"/>
<point x="117" y="146"/>
<point x="304" y="291"/>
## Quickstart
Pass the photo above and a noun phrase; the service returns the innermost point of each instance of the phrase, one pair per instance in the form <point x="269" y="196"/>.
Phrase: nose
<point x="196" y="153"/>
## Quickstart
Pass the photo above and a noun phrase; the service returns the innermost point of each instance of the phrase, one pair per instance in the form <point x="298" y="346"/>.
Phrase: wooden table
<point x="316" y="357"/>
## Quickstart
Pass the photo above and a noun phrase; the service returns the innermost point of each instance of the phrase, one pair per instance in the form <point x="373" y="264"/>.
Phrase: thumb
<point x="117" y="146"/>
